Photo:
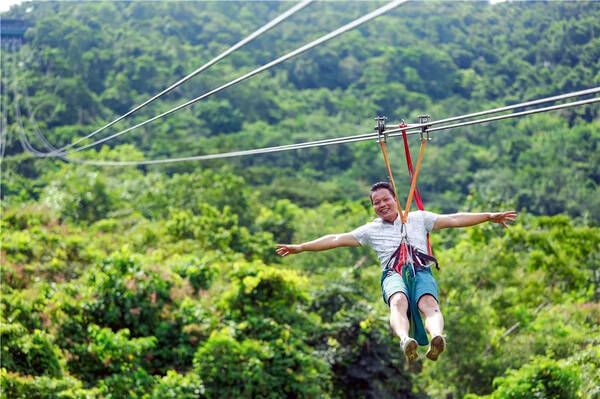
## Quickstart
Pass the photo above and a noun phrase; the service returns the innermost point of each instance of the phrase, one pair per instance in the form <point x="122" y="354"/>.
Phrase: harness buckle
<point x="403" y="233"/>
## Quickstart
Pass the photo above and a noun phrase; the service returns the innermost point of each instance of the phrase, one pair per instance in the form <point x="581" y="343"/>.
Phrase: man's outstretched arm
<point x="471" y="219"/>
<point x="320" y="244"/>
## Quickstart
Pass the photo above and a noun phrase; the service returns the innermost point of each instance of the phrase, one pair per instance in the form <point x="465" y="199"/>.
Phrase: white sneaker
<point x="436" y="346"/>
<point x="409" y="347"/>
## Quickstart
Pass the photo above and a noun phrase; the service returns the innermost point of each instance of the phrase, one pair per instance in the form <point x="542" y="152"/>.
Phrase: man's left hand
<point x="503" y="217"/>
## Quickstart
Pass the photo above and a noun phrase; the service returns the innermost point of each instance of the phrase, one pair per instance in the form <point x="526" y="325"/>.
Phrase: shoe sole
<point x="411" y="351"/>
<point x="436" y="347"/>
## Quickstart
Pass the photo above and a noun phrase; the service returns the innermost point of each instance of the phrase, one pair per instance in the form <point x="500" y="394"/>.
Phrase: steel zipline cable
<point x="271" y="64"/>
<point x="340" y="140"/>
<point x="593" y="90"/>
<point x="230" y="50"/>
<point x="398" y="132"/>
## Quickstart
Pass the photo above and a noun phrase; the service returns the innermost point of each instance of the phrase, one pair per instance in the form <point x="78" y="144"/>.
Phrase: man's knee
<point x="398" y="301"/>
<point x="428" y="303"/>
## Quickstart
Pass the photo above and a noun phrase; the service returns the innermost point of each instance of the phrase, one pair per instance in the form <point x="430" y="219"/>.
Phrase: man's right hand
<point x="288" y="249"/>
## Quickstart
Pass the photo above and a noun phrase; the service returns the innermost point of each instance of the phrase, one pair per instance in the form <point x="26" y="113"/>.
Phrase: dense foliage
<point x="162" y="282"/>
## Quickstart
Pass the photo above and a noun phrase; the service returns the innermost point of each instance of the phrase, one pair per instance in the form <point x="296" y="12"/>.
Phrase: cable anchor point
<point x="423" y="120"/>
<point x="380" y="129"/>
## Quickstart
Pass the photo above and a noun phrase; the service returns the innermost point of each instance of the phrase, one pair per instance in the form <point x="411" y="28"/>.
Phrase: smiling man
<point x="383" y="235"/>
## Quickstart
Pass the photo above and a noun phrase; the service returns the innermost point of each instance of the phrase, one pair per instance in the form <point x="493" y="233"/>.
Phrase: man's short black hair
<point x="379" y="186"/>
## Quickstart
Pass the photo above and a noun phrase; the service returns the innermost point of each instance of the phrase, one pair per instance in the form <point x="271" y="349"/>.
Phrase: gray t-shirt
<point x="384" y="237"/>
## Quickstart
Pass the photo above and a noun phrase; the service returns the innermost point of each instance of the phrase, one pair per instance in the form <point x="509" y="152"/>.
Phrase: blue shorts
<point x="392" y="282"/>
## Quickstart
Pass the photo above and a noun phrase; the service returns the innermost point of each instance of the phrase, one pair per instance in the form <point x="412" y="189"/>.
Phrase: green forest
<point x="162" y="281"/>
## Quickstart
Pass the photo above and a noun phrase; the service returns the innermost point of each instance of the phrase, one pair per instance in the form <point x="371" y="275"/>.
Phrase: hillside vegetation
<point x="162" y="281"/>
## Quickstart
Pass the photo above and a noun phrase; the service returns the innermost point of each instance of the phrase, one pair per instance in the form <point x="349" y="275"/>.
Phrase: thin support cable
<point x="4" y="128"/>
<point x="32" y="119"/>
<point x="25" y="143"/>
<point x="22" y="134"/>
<point x="34" y="123"/>
<point x="4" y="121"/>
<point x="224" y="54"/>
<point x="22" y="137"/>
<point x="271" y="64"/>
<point x="320" y="143"/>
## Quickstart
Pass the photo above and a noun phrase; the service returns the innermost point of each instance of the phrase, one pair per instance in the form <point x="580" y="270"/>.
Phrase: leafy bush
<point x="26" y="216"/>
<point x="119" y="295"/>
<point x="177" y="386"/>
<point x="27" y="387"/>
<point x="128" y="383"/>
<point x="258" y="289"/>
<point x="540" y="378"/>
<point x="278" y="220"/>
<point x="39" y="355"/>
<point x="29" y="353"/>
<point x="117" y="351"/>
<point x="10" y="333"/>
<point x="250" y="368"/>
<point x="127" y="295"/>
<point x="219" y="230"/>
<point x="78" y="195"/>
<point x="364" y="357"/>
<point x="200" y="273"/>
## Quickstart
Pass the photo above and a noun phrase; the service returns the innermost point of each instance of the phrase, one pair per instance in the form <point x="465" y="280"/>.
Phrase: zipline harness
<point x="408" y="260"/>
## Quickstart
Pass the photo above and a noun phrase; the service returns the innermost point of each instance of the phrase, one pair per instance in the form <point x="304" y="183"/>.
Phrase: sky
<point x="5" y="4"/>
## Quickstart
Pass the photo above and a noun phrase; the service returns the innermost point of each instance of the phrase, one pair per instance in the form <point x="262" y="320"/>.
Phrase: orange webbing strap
<point x="414" y="182"/>
<point x="389" y="170"/>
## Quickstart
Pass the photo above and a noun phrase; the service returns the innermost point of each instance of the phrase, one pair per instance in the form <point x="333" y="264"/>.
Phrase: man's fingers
<point x="282" y="250"/>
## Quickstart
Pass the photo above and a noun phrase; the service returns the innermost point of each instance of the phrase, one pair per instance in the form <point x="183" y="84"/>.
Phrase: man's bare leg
<point x="434" y="323"/>
<point x="398" y="320"/>
<point x="400" y="325"/>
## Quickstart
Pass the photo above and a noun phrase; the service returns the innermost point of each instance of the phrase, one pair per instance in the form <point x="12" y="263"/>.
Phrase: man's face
<point x="384" y="205"/>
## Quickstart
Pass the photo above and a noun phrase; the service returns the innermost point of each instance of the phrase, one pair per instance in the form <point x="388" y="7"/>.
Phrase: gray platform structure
<point x="12" y="31"/>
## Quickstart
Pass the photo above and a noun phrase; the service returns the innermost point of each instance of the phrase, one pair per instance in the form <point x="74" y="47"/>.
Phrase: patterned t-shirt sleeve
<point x="361" y="234"/>
<point x="429" y="219"/>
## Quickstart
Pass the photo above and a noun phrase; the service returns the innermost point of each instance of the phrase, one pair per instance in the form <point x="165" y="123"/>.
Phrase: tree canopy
<point x="162" y="281"/>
